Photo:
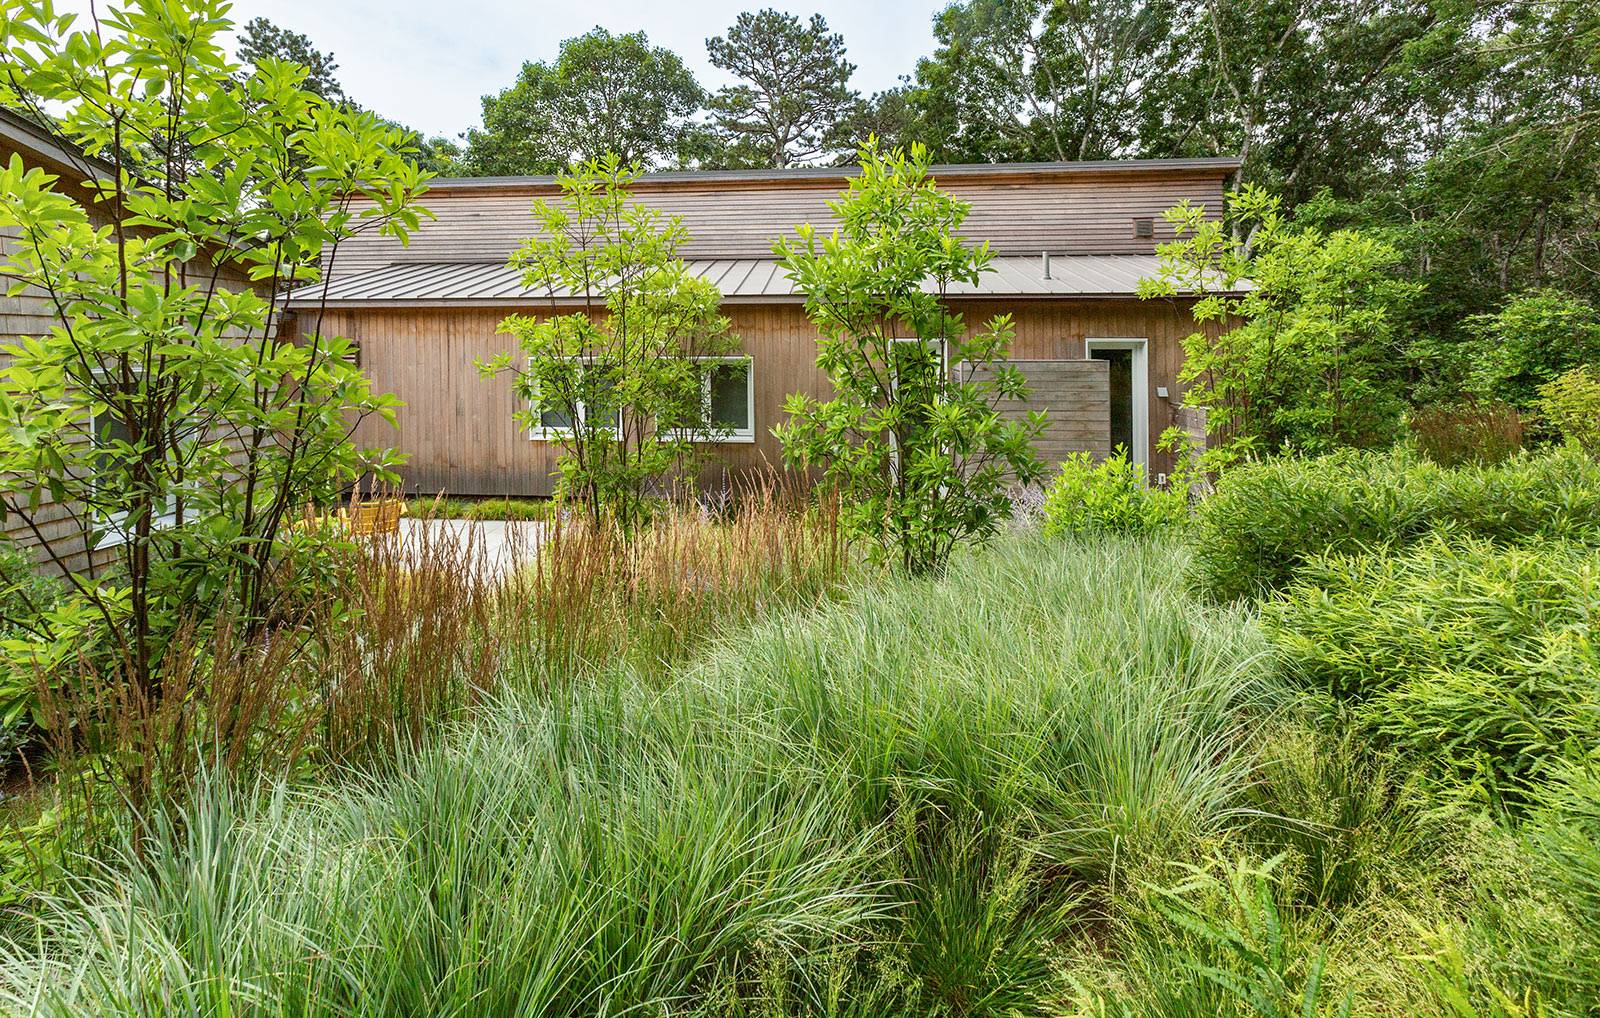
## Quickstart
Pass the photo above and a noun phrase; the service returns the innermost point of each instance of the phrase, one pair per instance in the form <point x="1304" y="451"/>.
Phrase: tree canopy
<point x="603" y="95"/>
<point x="793" y="92"/>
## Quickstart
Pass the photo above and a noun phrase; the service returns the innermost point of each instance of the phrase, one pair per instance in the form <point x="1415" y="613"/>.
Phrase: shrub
<point x="1535" y="337"/>
<point x="517" y="509"/>
<point x="1267" y="519"/>
<point x="1571" y="404"/>
<point x="1484" y="433"/>
<point x="1113" y="497"/>
<point x="1469" y="658"/>
<point x="26" y="599"/>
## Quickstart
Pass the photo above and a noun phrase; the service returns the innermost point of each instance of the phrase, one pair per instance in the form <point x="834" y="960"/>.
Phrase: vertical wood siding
<point x="460" y="437"/>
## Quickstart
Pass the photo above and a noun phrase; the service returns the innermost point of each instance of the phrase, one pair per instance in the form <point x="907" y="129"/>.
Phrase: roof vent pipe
<point x="1047" y="265"/>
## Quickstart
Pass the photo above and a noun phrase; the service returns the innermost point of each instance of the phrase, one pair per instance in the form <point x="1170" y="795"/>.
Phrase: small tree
<point x="1296" y="345"/>
<point x="166" y="408"/>
<point x="912" y="435"/>
<point x="618" y="382"/>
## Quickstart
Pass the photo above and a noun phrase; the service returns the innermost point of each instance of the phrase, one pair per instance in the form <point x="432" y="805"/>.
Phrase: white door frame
<point x="1141" y="389"/>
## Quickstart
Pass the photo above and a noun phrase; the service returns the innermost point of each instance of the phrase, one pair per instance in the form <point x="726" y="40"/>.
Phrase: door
<point x="1130" y="412"/>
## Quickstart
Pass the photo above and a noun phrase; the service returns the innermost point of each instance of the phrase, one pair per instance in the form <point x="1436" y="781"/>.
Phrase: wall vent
<point x="1144" y="227"/>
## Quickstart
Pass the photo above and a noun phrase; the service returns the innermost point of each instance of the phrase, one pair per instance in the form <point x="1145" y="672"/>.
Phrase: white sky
<point x="427" y="62"/>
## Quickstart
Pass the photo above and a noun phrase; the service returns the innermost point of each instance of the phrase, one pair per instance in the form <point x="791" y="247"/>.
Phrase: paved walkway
<point x="500" y="544"/>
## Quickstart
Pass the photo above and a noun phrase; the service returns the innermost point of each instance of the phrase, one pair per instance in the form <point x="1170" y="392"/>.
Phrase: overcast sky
<point x="427" y="62"/>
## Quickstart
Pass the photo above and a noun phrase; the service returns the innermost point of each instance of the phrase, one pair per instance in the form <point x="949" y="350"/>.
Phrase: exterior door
<point x="1130" y="384"/>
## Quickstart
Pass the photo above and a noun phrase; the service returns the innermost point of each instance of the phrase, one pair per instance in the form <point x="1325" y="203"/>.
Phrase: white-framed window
<point x="553" y="423"/>
<point x="728" y="398"/>
<point x="105" y="431"/>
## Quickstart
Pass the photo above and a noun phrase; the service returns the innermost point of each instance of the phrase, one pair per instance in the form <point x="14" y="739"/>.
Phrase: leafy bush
<point x="519" y="509"/>
<point x="1530" y="341"/>
<point x="1266" y="520"/>
<point x="1484" y="433"/>
<point x="1571" y="404"/>
<point x="1469" y="658"/>
<point x="1113" y="497"/>
<point x="26" y="597"/>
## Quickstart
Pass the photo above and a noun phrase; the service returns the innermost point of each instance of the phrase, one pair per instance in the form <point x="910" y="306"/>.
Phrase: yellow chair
<point x="373" y="516"/>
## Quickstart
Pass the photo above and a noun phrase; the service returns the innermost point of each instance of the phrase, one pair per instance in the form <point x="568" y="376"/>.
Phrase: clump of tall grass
<point x="1482" y="433"/>
<point x="903" y="801"/>
<point x="541" y="863"/>
<point x="597" y="595"/>
<point x="370" y="643"/>
<point x="1076" y="688"/>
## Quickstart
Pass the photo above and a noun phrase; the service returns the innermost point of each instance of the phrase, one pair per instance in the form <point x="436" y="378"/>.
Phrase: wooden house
<point x="1071" y="241"/>
<point x="63" y="536"/>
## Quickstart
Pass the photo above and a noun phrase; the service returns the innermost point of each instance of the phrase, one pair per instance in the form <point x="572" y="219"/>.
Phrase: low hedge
<point x="1471" y="658"/>
<point x="1266" y="520"/>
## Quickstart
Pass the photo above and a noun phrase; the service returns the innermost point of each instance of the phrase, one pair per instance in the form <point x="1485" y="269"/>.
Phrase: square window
<point x="556" y="422"/>
<point x="727" y="400"/>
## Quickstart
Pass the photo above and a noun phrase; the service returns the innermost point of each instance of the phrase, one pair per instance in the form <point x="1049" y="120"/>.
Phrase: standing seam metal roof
<point x="751" y="280"/>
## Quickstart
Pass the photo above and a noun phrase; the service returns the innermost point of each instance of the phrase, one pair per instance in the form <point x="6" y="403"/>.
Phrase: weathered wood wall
<point x="1017" y="214"/>
<point x="1074" y="396"/>
<point x="458" y="430"/>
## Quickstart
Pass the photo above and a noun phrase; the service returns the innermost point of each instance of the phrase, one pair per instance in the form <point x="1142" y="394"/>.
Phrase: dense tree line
<point x="1462" y="134"/>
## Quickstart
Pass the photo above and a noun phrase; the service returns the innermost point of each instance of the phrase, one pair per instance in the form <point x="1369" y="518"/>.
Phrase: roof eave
<point x="1209" y="166"/>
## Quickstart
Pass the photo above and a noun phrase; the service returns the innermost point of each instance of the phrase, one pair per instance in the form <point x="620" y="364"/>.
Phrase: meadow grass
<point x="1052" y="782"/>
<point x="892" y="804"/>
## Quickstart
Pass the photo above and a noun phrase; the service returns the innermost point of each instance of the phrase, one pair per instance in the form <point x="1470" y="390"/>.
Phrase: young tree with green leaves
<point x="794" y="90"/>
<point x="166" y="407"/>
<point x="262" y="41"/>
<point x="603" y="94"/>
<point x="620" y="381"/>
<point x="1297" y="345"/>
<point x="911" y="436"/>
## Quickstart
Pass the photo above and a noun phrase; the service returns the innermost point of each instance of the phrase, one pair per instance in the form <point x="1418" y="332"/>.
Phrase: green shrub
<point x="1535" y="337"/>
<point x="441" y="508"/>
<point x="1468" y="657"/>
<point x="25" y="596"/>
<point x="1267" y="519"/>
<point x="1571" y="404"/>
<point x="1113" y="497"/>
<point x="519" y="509"/>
